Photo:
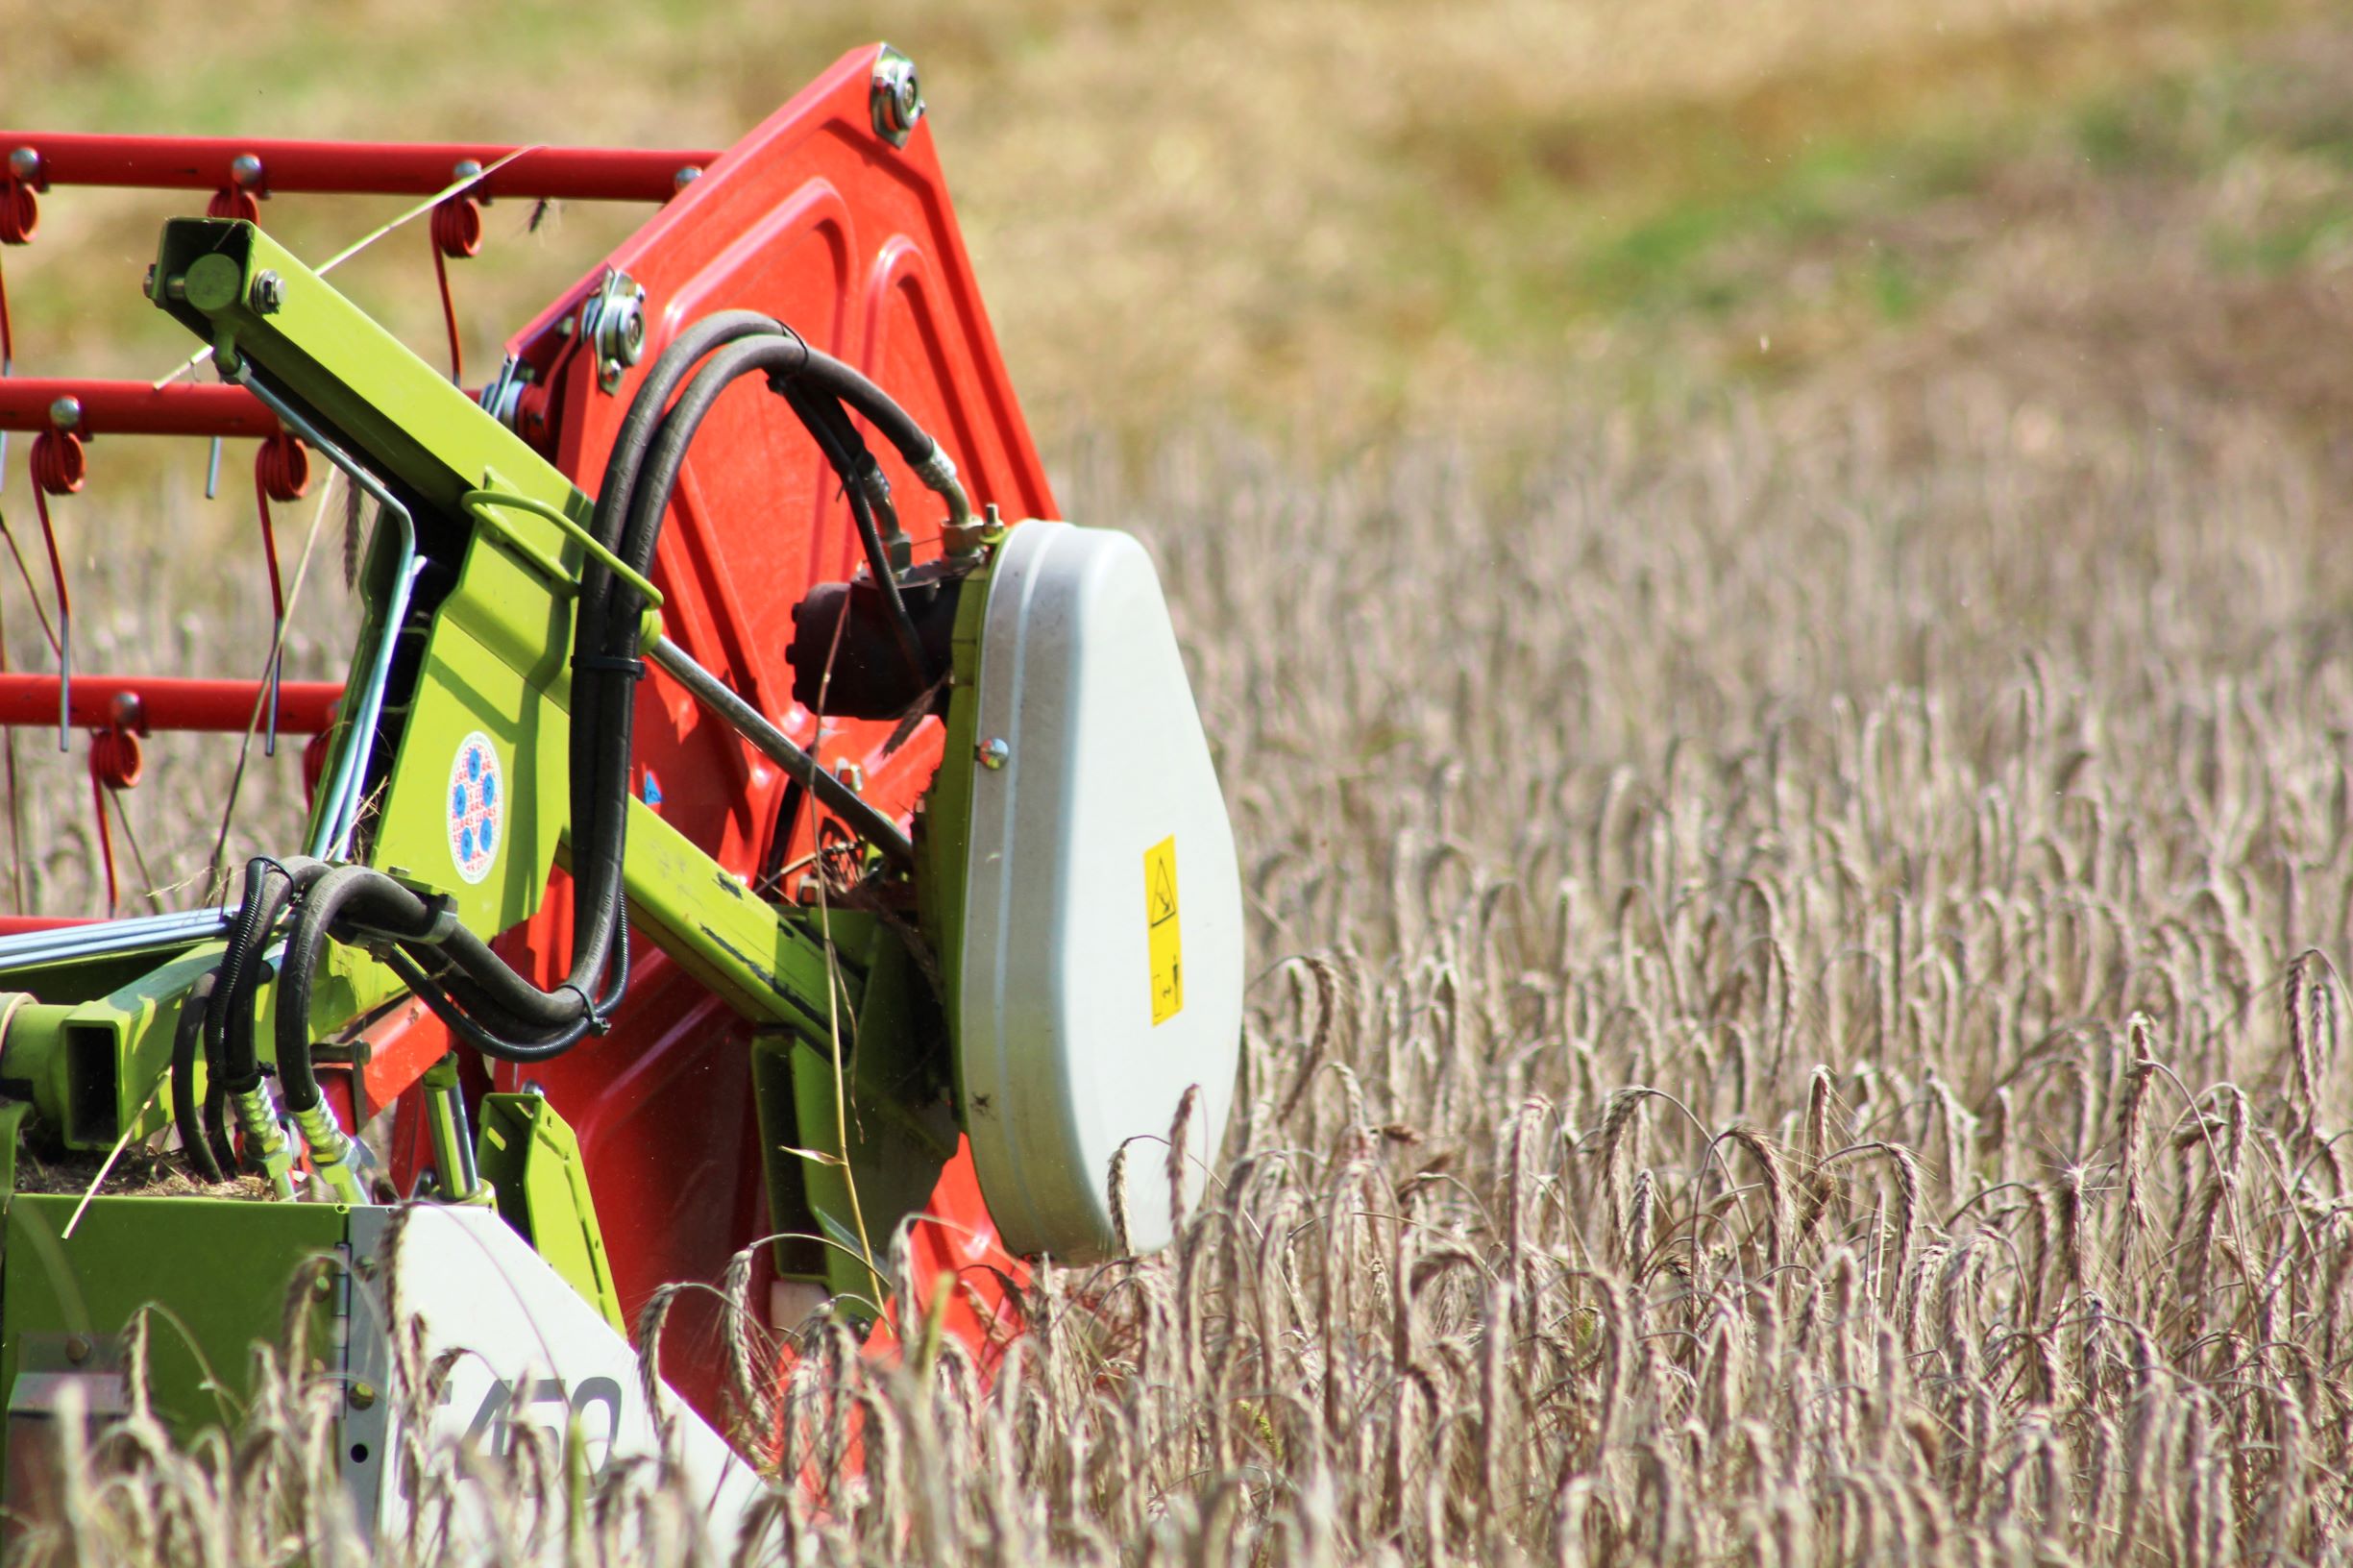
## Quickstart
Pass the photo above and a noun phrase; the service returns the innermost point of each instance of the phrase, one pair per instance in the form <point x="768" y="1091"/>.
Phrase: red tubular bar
<point x="137" y="407"/>
<point x="357" y="167"/>
<point x="305" y="708"/>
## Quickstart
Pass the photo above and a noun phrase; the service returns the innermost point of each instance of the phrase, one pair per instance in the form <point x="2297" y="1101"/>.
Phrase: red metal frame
<point x="818" y="221"/>
<point x="305" y="708"/>
<point x="136" y="407"/>
<point x="609" y="174"/>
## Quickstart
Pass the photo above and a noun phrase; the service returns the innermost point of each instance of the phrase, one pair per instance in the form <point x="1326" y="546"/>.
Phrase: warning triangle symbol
<point x="1164" y="891"/>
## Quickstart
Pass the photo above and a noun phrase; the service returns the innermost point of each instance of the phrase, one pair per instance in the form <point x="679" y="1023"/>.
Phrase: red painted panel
<point x="814" y="220"/>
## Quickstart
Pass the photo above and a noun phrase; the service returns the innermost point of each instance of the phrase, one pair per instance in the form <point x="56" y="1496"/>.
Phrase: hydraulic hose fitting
<point x="339" y="1158"/>
<point x="898" y="547"/>
<point x="265" y="1137"/>
<point x="961" y="533"/>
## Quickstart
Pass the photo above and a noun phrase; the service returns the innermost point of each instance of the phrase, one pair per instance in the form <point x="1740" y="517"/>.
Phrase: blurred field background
<point x="1338" y="221"/>
<point x="1767" y="585"/>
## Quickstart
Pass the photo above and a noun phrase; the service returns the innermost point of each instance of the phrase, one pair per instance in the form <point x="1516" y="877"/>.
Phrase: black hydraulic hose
<point x="270" y="886"/>
<point x="511" y="1017"/>
<point x="594" y="684"/>
<point x="836" y="437"/>
<point x="187" y="1035"/>
<point x="216" y="1124"/>
<point x="641" y="471"/>
<point x="892" y="421"/>
<point x="356" y="901"/>
<point x="439" y="1000"/>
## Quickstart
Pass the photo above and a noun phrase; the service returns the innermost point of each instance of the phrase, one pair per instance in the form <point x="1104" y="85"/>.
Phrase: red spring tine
<point x="116" y="761"/>
<point x="60" y="466"/>
<point x="229" y="202"/>
<point x="456" y="233"/>
<point x="281" y="473"/>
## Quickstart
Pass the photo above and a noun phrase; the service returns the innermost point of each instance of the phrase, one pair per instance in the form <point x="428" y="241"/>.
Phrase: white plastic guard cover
<point x="1102" y="961"/>
<point x="533" y="1357"/>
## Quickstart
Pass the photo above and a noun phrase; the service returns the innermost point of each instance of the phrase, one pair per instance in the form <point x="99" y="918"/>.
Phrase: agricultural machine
<point x="746" y="821"/>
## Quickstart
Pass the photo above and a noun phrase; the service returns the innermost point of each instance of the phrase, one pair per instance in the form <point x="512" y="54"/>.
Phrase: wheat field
<point x="1797" y="917"/>
<point x="1798" y="1023"/>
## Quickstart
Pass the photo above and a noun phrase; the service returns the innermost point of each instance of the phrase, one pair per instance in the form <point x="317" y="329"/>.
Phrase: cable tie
<point x="608" y="664"/>
<point x="778" y="380"/>
<point x="597" y="1022"/>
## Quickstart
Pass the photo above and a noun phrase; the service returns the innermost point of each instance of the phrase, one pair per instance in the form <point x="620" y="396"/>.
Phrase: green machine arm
<point x="479" y="658"/>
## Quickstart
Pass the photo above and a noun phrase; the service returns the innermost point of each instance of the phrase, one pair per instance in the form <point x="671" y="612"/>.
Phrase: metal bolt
<point x="321" y="1284"/>
<point x="616" y="322"/>
<point x="66" y="412"/>
<point x="993" y="753"/>
<point x="685" y="177"/>
<point x="466" y="169"/>
<point x="535" y="1088"/>
<point x="246" y="170"/>
<point x="895" y="98"/>
<point x="25" y="164"/>
<point x="147" y="286"/>
<point x="77" y="1348"/>
<point x="269" y="292"/>
<point x="851" y="776"/>
<point x="361" y="1395"/>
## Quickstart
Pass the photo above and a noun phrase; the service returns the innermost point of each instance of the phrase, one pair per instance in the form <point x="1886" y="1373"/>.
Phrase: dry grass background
<point x="1801" y="1017"/>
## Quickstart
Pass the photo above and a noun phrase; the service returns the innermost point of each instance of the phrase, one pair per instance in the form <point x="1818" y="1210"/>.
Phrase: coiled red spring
<point x="457" y="234"/>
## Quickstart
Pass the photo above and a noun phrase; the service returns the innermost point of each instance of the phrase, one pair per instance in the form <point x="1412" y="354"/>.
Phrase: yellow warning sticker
<point x="1159" y="887"/>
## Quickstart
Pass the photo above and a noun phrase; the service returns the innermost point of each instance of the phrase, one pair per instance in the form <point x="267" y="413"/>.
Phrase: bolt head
<point x="360" y="1394"/>
<point x="995" y="753"/>
<point x="66" y="414"/>
<point x="246" y="170"/>
<point x="25" y="164"/>
<point x="851" y="776"/>
<point x="466" y="169"/>
<point x="895" y="99"/>
<point x="685" y="177"/>
<point x="77" y="1348"/>
<point x="269" y="292"/>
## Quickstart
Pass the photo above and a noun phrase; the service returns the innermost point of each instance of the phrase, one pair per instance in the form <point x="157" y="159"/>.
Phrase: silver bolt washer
<point x="246" y="170"/>
<point x="25" y="164"/>
<point x="895" y="98"/>
<point x="993" y="753"/>
<point x="268" y="293"/>
<point x="616" y="324"/>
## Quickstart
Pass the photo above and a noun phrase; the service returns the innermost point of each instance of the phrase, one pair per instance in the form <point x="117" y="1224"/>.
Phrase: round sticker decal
<point x="478" y="806"/>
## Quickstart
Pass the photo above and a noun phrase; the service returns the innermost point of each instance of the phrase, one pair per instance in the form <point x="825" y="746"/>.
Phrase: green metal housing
<point x="843" y="1016"/>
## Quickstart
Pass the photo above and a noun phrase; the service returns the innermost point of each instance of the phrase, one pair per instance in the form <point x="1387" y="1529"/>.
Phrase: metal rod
<point x="340" y="803"/>
<point x="838" y="798"/>
<point x="357" y="167"/>
<point x="308" y="707"/>
<point x="113" y="408"/>
<point x="100" y="938"/>
<point x="445" y="1117"/>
